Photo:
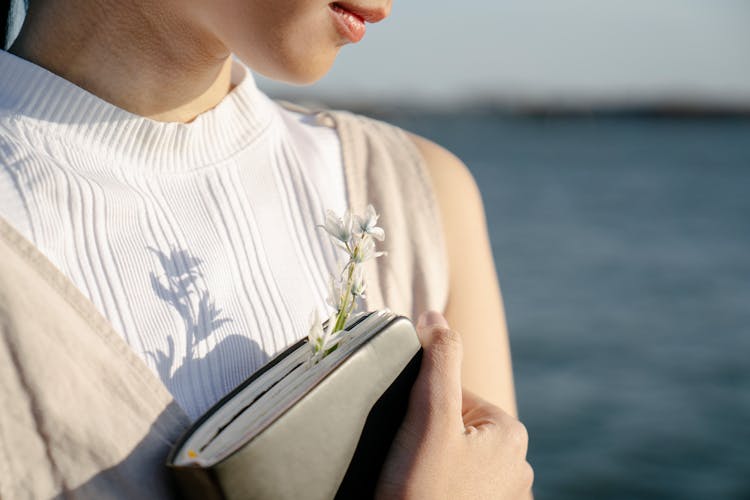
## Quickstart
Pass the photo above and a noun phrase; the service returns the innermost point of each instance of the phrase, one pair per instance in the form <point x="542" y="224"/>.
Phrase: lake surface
<point x="623" y="250"/>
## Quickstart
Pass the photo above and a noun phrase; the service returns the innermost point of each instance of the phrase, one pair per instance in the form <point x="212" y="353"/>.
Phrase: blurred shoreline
<point x="388" y="107"/>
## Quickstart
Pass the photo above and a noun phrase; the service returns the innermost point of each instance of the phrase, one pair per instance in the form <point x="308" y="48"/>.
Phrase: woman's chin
<point x="308" y="72"/>
<point x="302" y="71"/>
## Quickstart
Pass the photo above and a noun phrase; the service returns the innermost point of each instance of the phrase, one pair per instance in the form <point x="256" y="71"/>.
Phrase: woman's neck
<point x="151" y="63"/>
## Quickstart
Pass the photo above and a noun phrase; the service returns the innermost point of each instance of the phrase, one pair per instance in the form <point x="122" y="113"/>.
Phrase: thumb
<point x="437" y="389"/>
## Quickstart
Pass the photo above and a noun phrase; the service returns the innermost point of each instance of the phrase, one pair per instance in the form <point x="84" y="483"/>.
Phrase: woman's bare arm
<point x="475" y="307"/>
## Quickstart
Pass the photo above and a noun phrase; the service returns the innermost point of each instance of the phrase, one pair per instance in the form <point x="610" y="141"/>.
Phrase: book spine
<point x="197" y="483"/>
<point x="379" y="431"/>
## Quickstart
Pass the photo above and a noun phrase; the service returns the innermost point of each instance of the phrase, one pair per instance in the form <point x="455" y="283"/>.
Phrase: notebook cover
<point x="329" y="443"/>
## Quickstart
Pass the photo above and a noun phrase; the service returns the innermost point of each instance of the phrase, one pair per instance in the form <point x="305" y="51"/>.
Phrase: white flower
<point x="354" y="234"/>
<point x="341" y="228"/>
<point x="335" y="291"/>
<point x="358" y="283"/>
<point x="319" y="339"/>
<point x="364" y="251"/>
<point x="366" y="224"/>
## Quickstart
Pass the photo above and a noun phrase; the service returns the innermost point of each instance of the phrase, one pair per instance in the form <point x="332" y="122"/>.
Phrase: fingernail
<point x="432" y="318"/>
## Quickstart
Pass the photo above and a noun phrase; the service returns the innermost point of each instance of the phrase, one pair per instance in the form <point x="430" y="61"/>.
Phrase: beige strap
<point x="384" y="167"/>
<point x="82" y="414"/>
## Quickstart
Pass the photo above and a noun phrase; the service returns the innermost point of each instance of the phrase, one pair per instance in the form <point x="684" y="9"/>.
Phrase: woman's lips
<point x="349" y="25"/>
<point x="350" y="19"/>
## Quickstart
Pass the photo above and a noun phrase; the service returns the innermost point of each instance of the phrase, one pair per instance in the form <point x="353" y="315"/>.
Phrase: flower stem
<point x="345" y="309"/>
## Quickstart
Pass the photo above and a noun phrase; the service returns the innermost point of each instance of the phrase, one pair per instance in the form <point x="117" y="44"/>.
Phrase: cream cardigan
<point x="82" y="415"/>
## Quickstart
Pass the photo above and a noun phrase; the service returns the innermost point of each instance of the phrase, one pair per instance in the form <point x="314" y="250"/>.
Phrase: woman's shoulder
<point x="452" y="190"/>
<point x="445" y="169"/>
<point x="459" y="200"/>
<point x="451" y="178"/>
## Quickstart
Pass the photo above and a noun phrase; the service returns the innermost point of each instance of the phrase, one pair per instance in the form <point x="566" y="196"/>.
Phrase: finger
<point x="428" y="319"/>
<point x="438" y="385"/>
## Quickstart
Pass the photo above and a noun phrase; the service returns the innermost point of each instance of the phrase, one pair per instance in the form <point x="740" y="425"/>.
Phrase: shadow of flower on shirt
<point x="180" y="285"/>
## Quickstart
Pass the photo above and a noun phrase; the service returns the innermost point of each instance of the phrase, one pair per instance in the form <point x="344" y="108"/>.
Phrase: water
<point x="623" y="251"/>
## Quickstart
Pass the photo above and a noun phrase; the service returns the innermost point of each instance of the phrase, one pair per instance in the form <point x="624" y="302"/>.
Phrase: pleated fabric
<point x="198" y="241"/>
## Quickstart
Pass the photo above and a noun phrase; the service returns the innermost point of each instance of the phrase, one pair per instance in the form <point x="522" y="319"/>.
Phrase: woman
<point x="146" y="147"/>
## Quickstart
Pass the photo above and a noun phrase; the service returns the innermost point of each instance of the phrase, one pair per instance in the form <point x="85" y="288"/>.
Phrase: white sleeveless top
<point x="196" y="241"/>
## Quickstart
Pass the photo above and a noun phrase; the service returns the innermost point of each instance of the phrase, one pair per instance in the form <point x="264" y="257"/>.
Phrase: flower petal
<point x="339" y="228"/>
<point x="359" y="285"/>
<point x="377" y="233"/>
<point x="315" y="332"/>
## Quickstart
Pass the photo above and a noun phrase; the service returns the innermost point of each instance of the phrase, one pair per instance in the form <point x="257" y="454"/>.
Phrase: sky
<point x="536" y="52"/>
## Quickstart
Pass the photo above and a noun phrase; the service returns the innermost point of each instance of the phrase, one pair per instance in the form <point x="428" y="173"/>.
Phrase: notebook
<point x="303" y="428"/>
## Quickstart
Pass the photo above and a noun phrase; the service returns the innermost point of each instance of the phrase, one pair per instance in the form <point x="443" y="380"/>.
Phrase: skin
<point x="176" y="53"/>
<point x="475" y="306"/>
<point x="453" y="444"/>
<point x="170" y="60"/>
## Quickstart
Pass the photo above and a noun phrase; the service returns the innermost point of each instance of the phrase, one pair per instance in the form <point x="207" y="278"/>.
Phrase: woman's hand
<point x="453" y="444"/>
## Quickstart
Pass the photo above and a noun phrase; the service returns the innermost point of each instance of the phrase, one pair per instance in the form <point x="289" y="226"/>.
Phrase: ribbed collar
<point x="74" y="114"/>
